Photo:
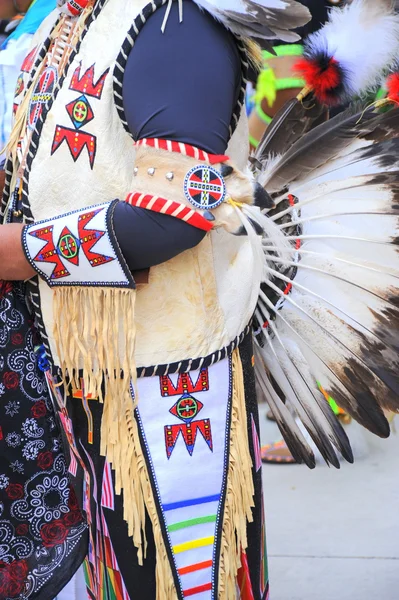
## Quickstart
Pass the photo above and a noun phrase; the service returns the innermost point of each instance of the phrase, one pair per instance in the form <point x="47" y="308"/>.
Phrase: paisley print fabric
<point x="41" y="525"/>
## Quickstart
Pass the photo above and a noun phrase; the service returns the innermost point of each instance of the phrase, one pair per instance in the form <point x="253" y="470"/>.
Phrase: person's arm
<point x="163" y="105"/>
<point x="13" y="263"/>
<point x="167" y="105"/>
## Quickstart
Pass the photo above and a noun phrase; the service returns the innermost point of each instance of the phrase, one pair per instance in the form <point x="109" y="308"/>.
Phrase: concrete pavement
<point x="334" y="534"/>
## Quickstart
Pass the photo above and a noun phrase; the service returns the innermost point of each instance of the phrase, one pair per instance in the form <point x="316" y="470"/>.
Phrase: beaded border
<point x="109" y="208"/>
<point x="187" y="194"/>
<point x="194" y="364"/>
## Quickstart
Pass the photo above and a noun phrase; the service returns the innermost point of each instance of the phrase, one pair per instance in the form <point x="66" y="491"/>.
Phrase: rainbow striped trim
<point x="200" y="543"/>
<point x="169" y="207"/>
<point x="196" y="543"/>
<point x="192" y="522"/>
<point x="181" y="148"/>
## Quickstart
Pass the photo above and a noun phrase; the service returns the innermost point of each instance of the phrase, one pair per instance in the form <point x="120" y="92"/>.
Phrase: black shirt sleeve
<point x="180" y="85"/>
<point x="183" y="84"/>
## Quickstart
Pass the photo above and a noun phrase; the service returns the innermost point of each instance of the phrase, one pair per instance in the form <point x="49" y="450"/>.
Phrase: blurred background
<point x="334" y="534"/>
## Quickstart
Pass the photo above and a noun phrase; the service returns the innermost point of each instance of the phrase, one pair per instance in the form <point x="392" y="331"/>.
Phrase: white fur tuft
<point x="364" y="39"/>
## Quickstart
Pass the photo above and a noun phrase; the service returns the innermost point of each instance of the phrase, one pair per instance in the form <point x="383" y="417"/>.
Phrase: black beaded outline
<point x="6" y="192"/>
<point x="127" y="46"/>
<point x="194" y="364"/>
<point x="223" y="494"/>
<point x="35" y="300"/>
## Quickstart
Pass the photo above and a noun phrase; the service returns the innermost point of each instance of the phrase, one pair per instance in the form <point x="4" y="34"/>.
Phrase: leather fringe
<point x="95" y="332"/>
<point x="240" y="490"/>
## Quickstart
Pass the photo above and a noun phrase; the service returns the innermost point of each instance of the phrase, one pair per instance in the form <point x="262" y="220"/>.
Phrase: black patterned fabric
<point x="41" y="526"/>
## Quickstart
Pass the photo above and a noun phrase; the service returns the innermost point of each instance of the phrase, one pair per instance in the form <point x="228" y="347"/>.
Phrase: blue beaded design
<point x="204" y="187"/>
<point x="42" y="360"/>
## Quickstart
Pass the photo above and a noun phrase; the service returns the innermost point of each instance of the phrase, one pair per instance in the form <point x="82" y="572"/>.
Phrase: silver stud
<point x="151" y="171"/>
<point x="170" y="176"/>
<point x="135" y="171"/>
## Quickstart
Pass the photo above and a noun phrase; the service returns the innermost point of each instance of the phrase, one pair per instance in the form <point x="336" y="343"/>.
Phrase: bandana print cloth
<point x="40" y="522"/>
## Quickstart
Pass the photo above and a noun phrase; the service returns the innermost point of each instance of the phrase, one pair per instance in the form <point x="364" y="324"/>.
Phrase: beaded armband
<point x="78" y="248"/>
<point x="189" y="184"/>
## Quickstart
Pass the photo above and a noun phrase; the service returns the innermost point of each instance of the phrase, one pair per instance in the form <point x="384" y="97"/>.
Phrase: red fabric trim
<point x="197" y="567"/>
<point x="180" y="148"/>
<point x="217" y="158"/>
<point x="244" y="579"/>
<point x="195" y="219"/>
<point x="197" y="590"/>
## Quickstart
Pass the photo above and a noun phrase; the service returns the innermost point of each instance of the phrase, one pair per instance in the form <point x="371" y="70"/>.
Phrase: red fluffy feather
<point x="393" y="87"/>
<point x="323" y="77"/>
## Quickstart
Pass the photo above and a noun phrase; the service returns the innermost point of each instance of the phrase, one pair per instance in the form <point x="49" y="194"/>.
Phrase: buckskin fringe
<point x="138" y="496"/>
<point x="95" y="333"/>
<point x="240" y="490"/>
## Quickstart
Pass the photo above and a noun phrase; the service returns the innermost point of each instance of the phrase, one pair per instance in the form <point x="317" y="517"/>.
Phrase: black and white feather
<point x="328" y="311"/>
<point x="290" y="123"/>
<point x="268" y="19"/>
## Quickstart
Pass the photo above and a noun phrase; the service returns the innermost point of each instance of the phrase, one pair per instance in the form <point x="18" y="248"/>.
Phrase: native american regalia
<point x="149" y="377"/>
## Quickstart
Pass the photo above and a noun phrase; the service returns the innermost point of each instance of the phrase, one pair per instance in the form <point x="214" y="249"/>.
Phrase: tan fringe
<point x="240" y="490"/>
<point x="165" y="586"/>
<point x="19" y="125"/>
<point x="95" y="332"/>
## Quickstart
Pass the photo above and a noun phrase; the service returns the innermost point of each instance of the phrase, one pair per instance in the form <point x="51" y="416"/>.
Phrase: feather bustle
<point x="327" y="309"/>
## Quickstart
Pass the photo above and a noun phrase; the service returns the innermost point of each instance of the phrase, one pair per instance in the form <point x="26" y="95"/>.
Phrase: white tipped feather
<point x="328" y="313"/>
<point x="363" y="37"/>
<point x="268" y="19"/>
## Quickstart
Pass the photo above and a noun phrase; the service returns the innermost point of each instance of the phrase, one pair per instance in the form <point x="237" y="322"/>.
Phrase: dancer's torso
<point x="195" y="304"/>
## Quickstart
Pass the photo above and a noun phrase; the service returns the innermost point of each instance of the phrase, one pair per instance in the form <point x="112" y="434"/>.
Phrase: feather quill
<point x="291" y="122"/>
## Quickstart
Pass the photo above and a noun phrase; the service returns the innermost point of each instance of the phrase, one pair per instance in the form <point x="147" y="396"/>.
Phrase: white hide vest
<point x="195" y="304"/>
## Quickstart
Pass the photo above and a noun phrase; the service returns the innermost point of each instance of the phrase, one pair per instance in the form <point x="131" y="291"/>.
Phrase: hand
<point x="13" y="263"/>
